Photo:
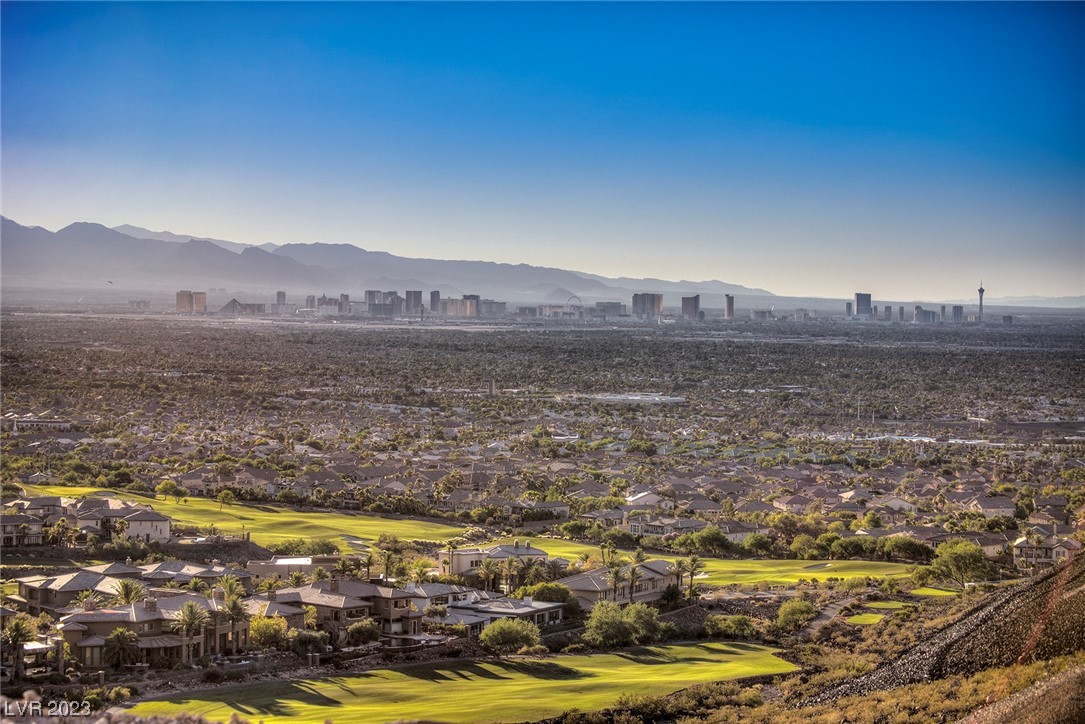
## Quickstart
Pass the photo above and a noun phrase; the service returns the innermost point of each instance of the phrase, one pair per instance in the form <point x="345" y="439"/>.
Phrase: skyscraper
<point x="847" y="310"/>
<point x="280" y="298"/>
<point x="184" y="302"/>
<point x="199" y="302"/>
<point x="862" y="304"/>
<point x="647" y="305"/>
<point x="729" y="306"/>
<point x="434" y="302"/>
<point x="691" y="307"/>
<point x="979" y="318"/>
<point x="414" y="301"/>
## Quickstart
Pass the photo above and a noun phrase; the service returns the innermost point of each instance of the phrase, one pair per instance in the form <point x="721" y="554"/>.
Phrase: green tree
<point x="730" y="627"/>
<point x="507" y="635"/>
<point x="363" y="632"/>
<point x="959" y="561"/>
<point x="121" y="648"/>
<point x="793" y="614"/>
<point x="167" y="488"/>
<point x="267" y="630"/>
<point x="226" y="497"/>
<point x="296" y="579"/>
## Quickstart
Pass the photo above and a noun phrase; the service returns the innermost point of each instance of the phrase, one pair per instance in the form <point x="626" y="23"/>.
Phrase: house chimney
<point x="90" y="603"/>
<point x="150" y="603"/>
<point x="215" y="561"/>
<point x="527" y="600"/>
<point x="334" y="585"/>
<point x="218" y="593"/>
<point x="128" y="561"/>
<point x="411" y="587"/>
<point x="272" y="595"/>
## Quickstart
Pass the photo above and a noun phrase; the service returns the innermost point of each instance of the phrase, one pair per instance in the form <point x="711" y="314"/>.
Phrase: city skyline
<point x="805" y="149"/>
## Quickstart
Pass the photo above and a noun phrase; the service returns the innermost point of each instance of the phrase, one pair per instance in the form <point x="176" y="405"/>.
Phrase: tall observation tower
<point x="981" y="290"/>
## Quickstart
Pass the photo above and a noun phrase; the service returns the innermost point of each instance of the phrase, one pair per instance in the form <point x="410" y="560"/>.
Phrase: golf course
<point x="271" y="523"/>
<point x="721" y="572"/>
<point x="485" y="691"/>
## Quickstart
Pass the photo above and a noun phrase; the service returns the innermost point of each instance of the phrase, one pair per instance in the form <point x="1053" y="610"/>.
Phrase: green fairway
<point x="865" y="619"/>
<point x="933" y="591"/>
<point x="502" y="691"/>
<point x="887" y="604"/>
<point x="271" y="523"/>
<point x="720" y="572"/>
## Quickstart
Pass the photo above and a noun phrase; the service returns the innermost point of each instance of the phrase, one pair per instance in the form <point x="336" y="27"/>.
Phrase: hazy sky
<point x="903" y="149"/>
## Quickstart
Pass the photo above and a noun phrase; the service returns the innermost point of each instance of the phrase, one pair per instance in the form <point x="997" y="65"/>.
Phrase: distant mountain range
<point x="132" y="257"/>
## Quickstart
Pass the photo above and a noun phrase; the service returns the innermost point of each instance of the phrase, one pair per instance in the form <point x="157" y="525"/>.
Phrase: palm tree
<point x="191" y="620"/>
<point x="554" y="571"/>
<point x="297" y="578"/>
<point x="319" y="574"/>
<point x="451" y="551"/>
<point x="681" y="568"/>
<point x="197" y="585"/>
<point x="128" y="591"/>
<point x="310" y="616"/>
<point x="639" y="556"/>
<point x="616" y="576"/>
<point x="694" y="565"/>
<point x="386" y="563"/>
<point x="81" y="598"/>
<point x="18" y="633"/>
<point x="366" y="563"/>
<point x="267" y="585"/>
<point x="511" y="569"/>
<point x="634" y="576"/>
<point x="535" y="572"/>
<point x="231" y="586"/>
<point x="488" y="572"/>
<point x="121" y="648"/>
<point x="345" y="567"/>
<point x="235" y="613"/>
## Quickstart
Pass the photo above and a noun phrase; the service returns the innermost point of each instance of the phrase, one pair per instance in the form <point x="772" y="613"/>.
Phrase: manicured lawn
<point x="270" y="523"/>
<point x="933" y="591"/>
<point x="865" y="619"/>
<point x="887" y="604"/>
<point x="506" y="691"/>
<point x="720" y="572"/>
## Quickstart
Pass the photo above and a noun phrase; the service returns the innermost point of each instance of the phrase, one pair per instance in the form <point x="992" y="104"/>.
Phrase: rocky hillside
<point x="1035" y="620"/>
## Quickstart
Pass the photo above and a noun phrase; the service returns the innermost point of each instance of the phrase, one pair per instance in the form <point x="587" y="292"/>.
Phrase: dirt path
<point x="827" y="614"/>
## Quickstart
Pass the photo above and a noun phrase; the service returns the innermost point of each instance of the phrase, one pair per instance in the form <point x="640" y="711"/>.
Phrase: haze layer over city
<point x="532" y="362"/>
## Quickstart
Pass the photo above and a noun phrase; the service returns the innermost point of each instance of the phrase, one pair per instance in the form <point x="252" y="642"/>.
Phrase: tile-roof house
<point x="593" y="586"/>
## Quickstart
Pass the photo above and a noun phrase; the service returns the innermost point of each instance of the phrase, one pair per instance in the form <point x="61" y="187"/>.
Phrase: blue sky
<point x="905" y="149"/>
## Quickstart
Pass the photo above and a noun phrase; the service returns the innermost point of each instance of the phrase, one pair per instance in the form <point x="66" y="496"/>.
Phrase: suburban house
<point x="1043" y="552"/>
<point x="20" y="529"/>
<point x="595" y="585"/>
<point x="662" y="525"/>
<point x="53" y="594"/>
<point x="85" y="632"/>
<point x="147" y="526"/>
<point x="280" y="567"/>
<point x="467" y="560"/>
<point x="541" y="613"/>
